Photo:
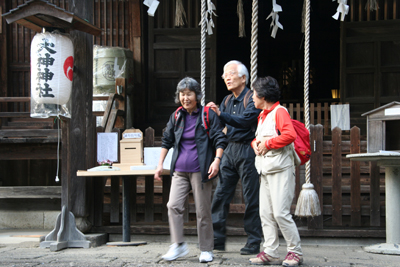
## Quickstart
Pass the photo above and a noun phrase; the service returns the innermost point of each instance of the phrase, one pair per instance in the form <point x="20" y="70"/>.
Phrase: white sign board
<point x="132" y="135"/>
<point x="392" y="111"/>
<point x="107" y="146"/>
<point x="152" y="156"/>
<point x="340" y="117"/>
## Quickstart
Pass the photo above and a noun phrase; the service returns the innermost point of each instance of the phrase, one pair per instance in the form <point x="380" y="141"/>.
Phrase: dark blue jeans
<point x="237" y="163"/>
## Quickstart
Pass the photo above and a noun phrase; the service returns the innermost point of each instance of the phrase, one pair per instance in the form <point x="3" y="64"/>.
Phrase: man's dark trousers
<point x="237" y="163"/>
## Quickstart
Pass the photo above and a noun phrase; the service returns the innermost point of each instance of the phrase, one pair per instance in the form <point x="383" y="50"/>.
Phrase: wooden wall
<point x="120" y="21"/>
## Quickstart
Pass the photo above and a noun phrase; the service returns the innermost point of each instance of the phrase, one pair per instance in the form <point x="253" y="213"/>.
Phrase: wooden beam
<point x="51" y="14"/>
<point x="37" y="192"/>
<point x="45" y="133"/>
<point x="25" y="151"/>
<point x="15" y="99"/>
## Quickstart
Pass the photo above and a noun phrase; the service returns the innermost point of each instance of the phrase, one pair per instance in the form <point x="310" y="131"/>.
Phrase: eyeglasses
<point x="230" y="74"/>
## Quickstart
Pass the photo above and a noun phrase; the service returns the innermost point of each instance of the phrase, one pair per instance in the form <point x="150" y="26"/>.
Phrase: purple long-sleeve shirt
<point x="188" y="160"/>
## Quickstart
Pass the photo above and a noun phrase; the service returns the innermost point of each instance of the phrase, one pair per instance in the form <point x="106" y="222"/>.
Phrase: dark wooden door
<point x="370" y="65"/>
<point x="174" y="53"/>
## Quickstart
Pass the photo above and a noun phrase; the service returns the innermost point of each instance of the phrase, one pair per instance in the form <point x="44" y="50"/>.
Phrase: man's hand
<point x="214" y="168"/>
<point x="214" y="107"/>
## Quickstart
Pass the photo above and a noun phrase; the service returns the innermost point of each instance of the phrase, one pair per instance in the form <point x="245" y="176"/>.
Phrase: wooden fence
<point x="351" y="194"/>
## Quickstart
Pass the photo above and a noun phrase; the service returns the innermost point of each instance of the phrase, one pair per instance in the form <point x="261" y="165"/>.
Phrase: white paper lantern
<point x="52" y="61"/>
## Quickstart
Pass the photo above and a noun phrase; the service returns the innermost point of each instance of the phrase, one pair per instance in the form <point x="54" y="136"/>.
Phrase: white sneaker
<point x="175" y="251"/>
<point x="206" y="256"/>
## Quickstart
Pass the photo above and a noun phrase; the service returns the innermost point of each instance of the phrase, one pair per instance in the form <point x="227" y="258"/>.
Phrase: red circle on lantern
<point x="68" y="67"/>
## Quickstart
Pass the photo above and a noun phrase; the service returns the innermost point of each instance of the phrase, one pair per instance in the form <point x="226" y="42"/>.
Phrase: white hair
<point x="241" y="68"/>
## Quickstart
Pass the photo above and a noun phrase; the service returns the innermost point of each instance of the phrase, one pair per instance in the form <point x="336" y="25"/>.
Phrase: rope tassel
<point x="240" y="12"/>
<point x="180" y="14"/>
<point x="373" y="5"/>
<point x="308" y="202"/>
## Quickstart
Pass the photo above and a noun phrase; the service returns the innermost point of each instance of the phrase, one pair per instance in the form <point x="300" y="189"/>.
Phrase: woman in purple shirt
<point x="195" y="162"/>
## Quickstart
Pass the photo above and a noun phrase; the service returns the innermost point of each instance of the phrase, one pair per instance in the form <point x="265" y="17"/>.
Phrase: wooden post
<point x="375" y="212"/>
<point x="66" y="160"/>
<point x="355" y="197"/>
<point x="3" y="57"/>
<point x="317" y="162"/>
<point x="80" y="146"/>
<point x="337" y="177"/>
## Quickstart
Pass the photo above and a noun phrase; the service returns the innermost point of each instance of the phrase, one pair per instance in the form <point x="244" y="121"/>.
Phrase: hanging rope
<point x="308" y="201"/>
<point x="240" y="12"/>
<point x="203" y="51"/>
<point x="254" y="42"/>
<point x="307" y="77"/>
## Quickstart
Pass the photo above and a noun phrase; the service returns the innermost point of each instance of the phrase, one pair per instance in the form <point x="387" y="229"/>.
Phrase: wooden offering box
<point x="131" y="147"/>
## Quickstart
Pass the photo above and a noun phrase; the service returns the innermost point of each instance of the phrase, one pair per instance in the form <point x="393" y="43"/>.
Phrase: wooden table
<point x="391" y="162"/>
<point x="126" y="175"/>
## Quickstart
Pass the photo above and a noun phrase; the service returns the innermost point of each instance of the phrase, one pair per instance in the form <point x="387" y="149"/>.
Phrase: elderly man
<point x="239" y="115"/>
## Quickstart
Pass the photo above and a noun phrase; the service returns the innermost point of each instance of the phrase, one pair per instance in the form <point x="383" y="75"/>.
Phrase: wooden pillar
<point x="80" y="143"/>
<point x="317" y="163"/>
<point x="137" y="98"/>
<point x="3" y="54"/>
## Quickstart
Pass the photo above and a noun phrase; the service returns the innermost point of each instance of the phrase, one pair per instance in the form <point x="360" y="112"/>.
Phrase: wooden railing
<point x="359" y="10"/>
<point x="350" y="194"/>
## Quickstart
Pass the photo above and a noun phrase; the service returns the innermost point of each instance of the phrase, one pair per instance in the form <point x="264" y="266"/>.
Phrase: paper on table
<point x="143" y="167"/>
<point x="103" y="168"/>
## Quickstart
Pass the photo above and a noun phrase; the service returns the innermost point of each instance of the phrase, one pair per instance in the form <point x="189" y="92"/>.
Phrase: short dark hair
<point x="267" y="88"/>
<point x="192" y="85"/>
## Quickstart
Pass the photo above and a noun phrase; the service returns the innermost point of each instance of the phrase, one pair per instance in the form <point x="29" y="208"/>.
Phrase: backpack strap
<point x="177" y="113"/>
<point x="274" y="114"/>
<point x="246" y="98"/>
<point x="205" y="119"/>
<point x="227" y="99"/>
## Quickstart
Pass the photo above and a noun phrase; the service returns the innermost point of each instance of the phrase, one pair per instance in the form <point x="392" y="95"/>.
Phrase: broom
<point x="308" y="202"/>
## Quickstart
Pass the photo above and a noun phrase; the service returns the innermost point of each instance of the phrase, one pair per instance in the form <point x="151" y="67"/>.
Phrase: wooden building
<point x="358" y="56"/>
